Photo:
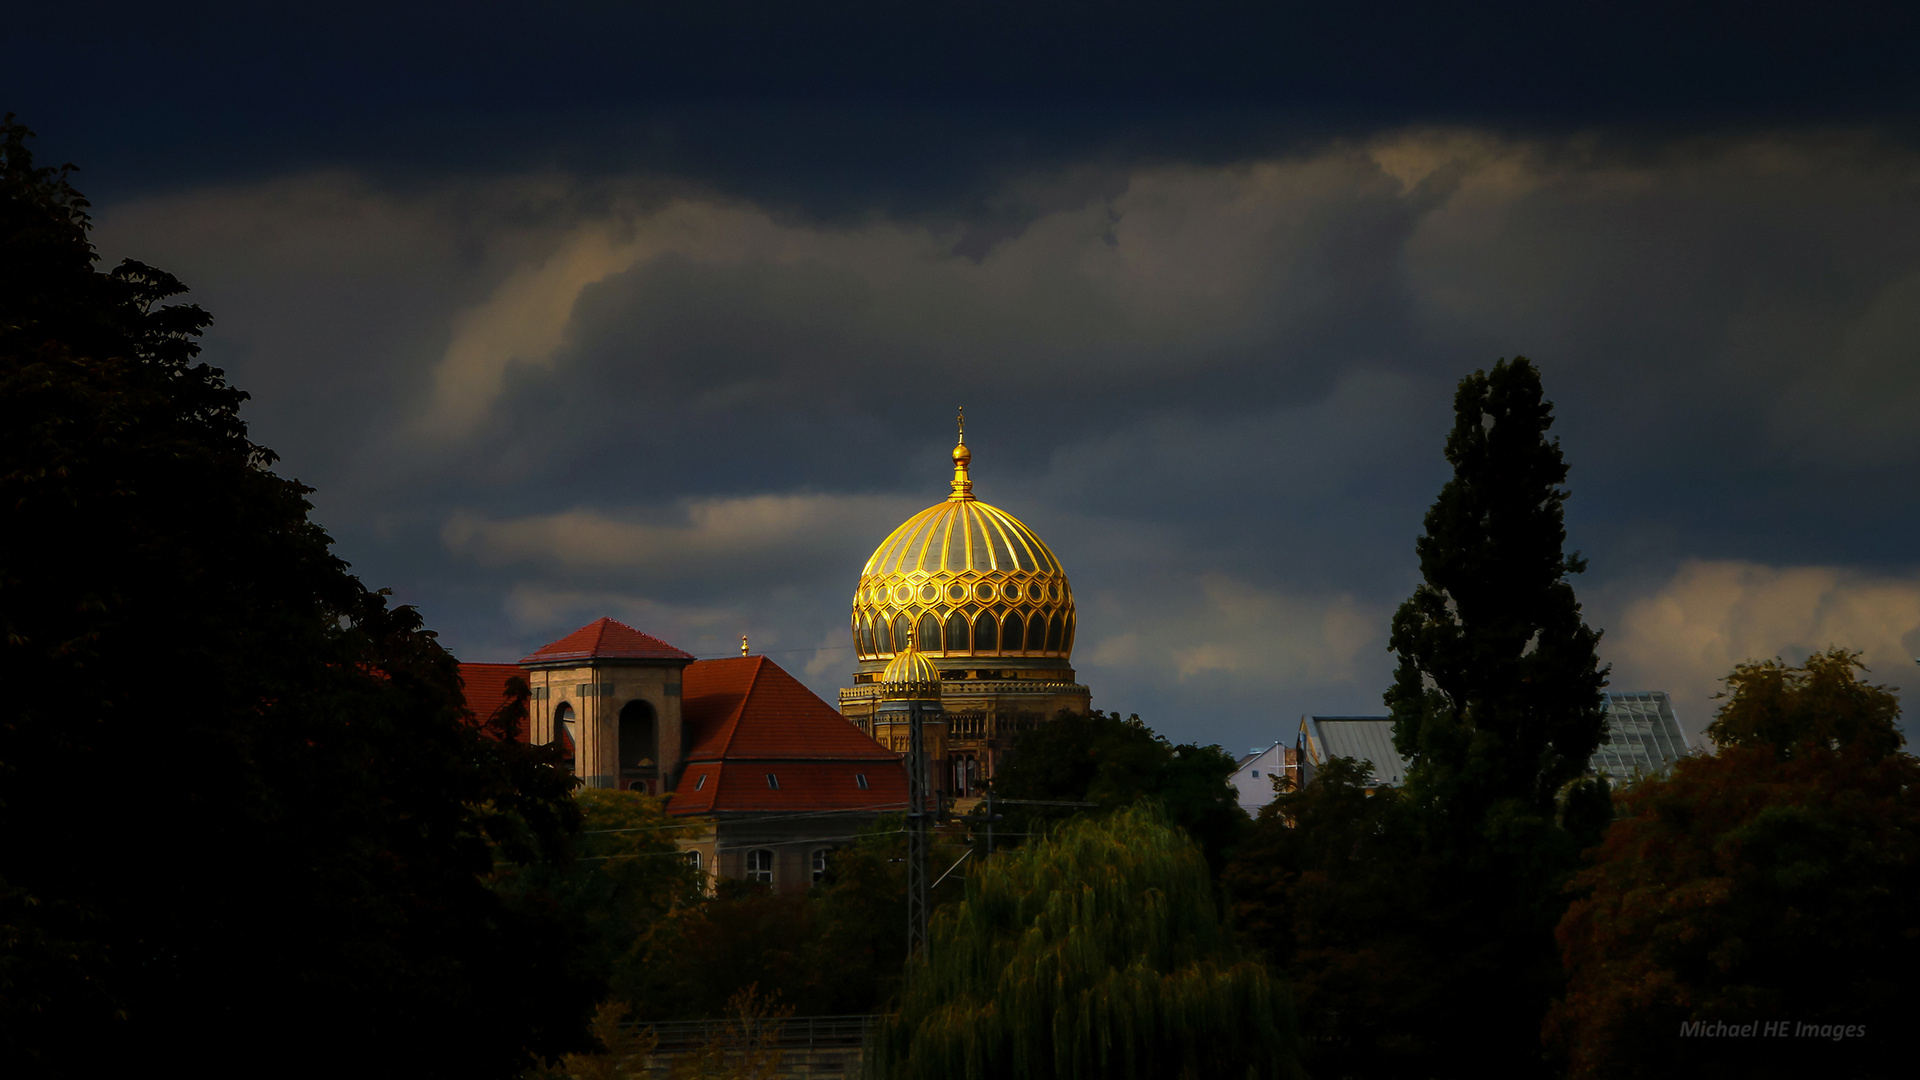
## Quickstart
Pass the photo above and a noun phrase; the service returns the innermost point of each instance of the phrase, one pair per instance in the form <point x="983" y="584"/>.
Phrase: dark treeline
<point x="242" y="819"/>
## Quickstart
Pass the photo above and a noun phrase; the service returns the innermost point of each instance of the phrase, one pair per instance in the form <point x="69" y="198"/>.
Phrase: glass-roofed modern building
<point x="1643" y="735"/>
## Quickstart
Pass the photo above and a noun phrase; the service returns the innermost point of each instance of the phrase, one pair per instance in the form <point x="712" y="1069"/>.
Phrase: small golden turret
<point x="910" y="676"/>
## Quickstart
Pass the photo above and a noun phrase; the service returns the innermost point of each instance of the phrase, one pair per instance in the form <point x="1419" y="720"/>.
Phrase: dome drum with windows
<point x="969" y="585"/>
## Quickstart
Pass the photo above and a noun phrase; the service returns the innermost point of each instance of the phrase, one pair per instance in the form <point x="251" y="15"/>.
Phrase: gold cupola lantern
<point x="910" y="676"/>
<point x="964" y="583"/>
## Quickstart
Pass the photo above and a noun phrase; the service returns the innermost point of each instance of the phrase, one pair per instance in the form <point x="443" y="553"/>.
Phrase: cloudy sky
<point x="603" y="309"/>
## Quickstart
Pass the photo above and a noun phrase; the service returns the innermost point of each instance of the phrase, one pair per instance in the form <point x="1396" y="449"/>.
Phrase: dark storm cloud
<point x="1218" y="390"/>
<point x="840" y="107"/>
<point x="663" y="312"/>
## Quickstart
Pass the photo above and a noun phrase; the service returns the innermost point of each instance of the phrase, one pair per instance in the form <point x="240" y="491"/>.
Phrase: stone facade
<point x="626" y="718"/>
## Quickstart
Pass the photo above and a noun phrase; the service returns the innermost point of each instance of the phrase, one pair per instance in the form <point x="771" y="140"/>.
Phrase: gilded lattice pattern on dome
<point x="963" y="579"/>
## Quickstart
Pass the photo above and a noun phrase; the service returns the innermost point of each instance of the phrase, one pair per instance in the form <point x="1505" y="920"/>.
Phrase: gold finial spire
<point x="962" y="485"/>
<point x="743" y="644"/>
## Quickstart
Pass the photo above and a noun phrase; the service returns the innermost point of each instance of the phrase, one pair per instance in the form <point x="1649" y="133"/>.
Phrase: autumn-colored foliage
<point x="1777" y="881"/>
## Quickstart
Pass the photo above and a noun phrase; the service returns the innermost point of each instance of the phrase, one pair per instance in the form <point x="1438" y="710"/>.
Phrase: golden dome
<point x="964" y="579"/>
<point x="910" y="675"/>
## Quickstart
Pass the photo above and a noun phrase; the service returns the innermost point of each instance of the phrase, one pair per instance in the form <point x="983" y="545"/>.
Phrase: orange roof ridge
<point x="606" y="639"/>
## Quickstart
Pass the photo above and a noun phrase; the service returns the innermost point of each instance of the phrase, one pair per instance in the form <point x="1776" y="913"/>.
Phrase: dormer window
<point x="773" y="782"/>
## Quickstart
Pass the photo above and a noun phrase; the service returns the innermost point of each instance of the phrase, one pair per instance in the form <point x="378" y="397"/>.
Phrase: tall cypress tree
<point x="1497" y="694"/>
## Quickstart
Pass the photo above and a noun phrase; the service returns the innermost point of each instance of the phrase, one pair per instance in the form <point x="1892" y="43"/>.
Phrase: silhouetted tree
<point x="1332" y="885"/>
<point x="1777" y="880"/>
<point x="243" y="817"/>
<point x="1497" y="693"/>
<point x="1101" y="758"/>
<point x="1415" y="918"/>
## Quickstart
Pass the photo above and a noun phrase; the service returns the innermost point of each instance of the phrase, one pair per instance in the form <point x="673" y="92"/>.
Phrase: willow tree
<point x="1096" y="952"/>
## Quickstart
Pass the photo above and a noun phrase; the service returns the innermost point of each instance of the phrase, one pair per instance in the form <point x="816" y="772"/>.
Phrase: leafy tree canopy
<point x="836" y="949"/>
<point x="1750" y="886"/>
<point x="1821" y="705"/>
<point x="1497" y="693"/>
<point x="1411" y="916"/>
<point x="243" y="815"/>
<point x="1101" y="758"/>
<point x="1098" y="951"/>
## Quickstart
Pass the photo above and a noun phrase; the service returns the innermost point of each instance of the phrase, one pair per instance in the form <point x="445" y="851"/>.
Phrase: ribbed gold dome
<point x="910" y="675"/>
<point x="966" y="580"/>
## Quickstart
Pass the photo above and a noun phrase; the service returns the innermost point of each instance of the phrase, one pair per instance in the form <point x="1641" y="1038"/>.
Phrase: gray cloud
<point x="1219" y="391"/>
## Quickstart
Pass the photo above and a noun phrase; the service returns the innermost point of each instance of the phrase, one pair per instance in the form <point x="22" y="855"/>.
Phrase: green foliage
<point x="1095" y="952"/>
<point x="1749" y="886"/>
<point x="1412" y="916"/>
<point x="240" y="808"/>
<point x="624" y="875"/>
<point x="745" y="1047"/>
<point x="836" y="949"/>
<point x="1334" y="885"/>
<point x="1101" y="758"/>
<point x="1497" y="693"/>
<point x="1821" y="705"/>
<point x="620" y="1054"/>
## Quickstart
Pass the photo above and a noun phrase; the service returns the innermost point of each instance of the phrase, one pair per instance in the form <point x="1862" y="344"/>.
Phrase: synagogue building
<point x="770" y="776"/>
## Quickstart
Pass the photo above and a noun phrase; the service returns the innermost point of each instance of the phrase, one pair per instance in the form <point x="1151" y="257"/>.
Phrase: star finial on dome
<point x="962" y="484"/>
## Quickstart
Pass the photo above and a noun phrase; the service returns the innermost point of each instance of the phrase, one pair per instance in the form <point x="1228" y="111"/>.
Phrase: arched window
<point x="929" y="633"/>
<point x="1053" y="632"/>
<point x="1011" y="632"/>
<point x="819" y="865"/>
<point x="1036" y="633"/>
<point x="566" y="732"/>
<point x="760" y="865"/>
<point x="693" y="860"/>
<point x="956" y="632"/>
<point x="986" y="633"/>
<point x="866" y="636"/>
<point x="637" y="747"/>
<point x="1066" y="639"/>
<point x="900" y="628"/>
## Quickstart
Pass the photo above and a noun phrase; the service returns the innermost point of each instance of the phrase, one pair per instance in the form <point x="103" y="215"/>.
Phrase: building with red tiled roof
<point x="610" y="695"/>
<point x="485" y="686"/>
<point x="781" y="773"/>
<point x="606" y="639"/>
<point x="778" y="776"/>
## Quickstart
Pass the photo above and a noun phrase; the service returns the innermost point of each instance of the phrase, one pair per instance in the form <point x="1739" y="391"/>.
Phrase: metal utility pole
<point x="910" y="691"/>
<point x="918" y="893"/>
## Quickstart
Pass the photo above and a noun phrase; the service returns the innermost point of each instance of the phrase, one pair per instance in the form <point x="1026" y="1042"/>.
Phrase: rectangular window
<point x="773" y="782"/>
<point x="860" y="779"/>
<point x="693" y="860"/>
<point x="539" y="693"/>
<point x="1256" y="774"/>
<point x="819" y="865"/>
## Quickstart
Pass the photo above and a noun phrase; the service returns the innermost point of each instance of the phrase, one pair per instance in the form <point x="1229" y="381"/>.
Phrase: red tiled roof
<point x="749" y="707"/>
<point x="747" y="717"/>
<point x="804" y="785"/>
<point x="486" y="690"/>
<point x="606" y="639"/>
